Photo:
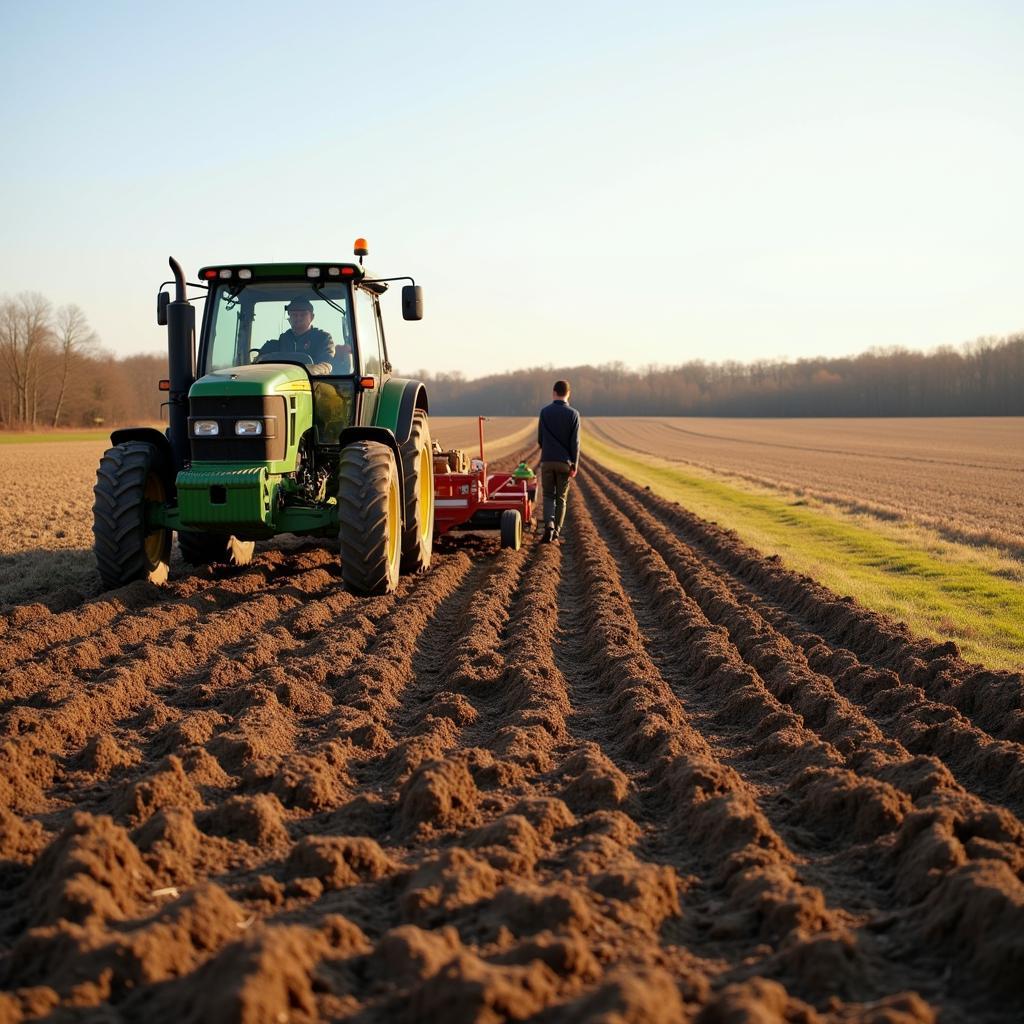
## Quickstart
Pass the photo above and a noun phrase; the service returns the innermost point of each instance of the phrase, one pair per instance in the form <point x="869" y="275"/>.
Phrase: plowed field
<point x="961" y="477"/>
<point x="642" y="775"/>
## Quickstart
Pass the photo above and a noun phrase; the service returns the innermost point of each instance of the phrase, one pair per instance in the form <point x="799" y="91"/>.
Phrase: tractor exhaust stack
<point x="181" y="358"/>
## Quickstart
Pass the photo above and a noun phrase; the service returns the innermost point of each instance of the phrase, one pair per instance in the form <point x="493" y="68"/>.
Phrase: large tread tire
<point x="511" y="529"/>
<point x="370" y="518"/>
<point x="199" y="548"/>
<point x="418" y="517"/>
<point x="129" y="475"/>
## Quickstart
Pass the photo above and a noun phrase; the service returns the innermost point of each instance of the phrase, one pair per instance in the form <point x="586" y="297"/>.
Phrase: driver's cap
<point x="299" y="303"/>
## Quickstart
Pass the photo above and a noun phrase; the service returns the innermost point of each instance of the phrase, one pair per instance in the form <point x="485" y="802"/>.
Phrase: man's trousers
<point x="554" y="476"/>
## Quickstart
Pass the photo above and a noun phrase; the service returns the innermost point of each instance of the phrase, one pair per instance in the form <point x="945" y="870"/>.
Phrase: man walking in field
<point x="558" y="434"/>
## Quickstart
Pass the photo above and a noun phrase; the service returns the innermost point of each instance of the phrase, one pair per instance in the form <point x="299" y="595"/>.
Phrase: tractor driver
<point x="302" y="336"/>
<point x="331" y="406"/>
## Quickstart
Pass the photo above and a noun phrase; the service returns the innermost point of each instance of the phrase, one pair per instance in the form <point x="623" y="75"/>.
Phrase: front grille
<point x="269" y="446"/>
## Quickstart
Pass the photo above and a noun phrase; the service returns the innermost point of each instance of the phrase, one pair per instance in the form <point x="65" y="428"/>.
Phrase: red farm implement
<point x="469" y="497"/>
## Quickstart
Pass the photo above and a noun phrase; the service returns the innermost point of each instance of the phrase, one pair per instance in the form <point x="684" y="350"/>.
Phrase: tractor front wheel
<point x="418" y="471"/>
<point x="128" y="478"/>
<point x="199" y="548"/>
<point x="370" y="518"/>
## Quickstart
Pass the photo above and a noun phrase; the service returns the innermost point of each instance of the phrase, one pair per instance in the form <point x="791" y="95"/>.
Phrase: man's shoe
<point x="555" y="536"/>
<point x="549" y="532"/>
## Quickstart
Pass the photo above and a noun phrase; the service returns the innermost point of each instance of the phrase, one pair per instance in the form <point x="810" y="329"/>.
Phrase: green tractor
<point x="289" y="422"/>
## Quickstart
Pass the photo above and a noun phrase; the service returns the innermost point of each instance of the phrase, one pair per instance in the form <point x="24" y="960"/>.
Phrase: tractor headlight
<point x="248" y="428"/>
<point x="205" y="428"/>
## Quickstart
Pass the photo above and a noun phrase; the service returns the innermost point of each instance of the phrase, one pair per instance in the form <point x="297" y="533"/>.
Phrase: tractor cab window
<point x="368" y="325"/>
<point x="247" y="320"/>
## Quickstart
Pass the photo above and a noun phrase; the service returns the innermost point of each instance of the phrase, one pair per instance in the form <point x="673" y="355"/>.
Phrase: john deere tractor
<point x="275" y="429"/>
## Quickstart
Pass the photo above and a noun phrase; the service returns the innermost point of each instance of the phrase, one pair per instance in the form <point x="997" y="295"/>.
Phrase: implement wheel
<point x="418" y="470"/>
<point x="511" y="529"/>
<point x="129" y="476"/>
<point x="370" y="517"/>
<point x="199" y="548"/>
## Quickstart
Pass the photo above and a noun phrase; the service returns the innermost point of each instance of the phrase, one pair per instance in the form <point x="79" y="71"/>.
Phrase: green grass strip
<point x="16" y="437"/>
<point x="943" y="590"/>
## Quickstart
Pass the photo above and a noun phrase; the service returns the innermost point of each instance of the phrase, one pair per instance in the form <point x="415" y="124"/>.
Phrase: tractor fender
<point x="156" y="438"/>
<point x="399" y="400"/>
<point x="383" y="436"/>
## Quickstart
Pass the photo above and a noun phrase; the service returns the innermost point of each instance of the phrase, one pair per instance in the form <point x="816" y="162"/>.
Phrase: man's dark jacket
<point x="316" y="342"/>
<point x="558" y="433"/>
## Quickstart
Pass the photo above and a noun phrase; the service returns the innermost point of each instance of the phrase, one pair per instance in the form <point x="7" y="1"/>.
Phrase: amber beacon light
<point x="361" y="248"/>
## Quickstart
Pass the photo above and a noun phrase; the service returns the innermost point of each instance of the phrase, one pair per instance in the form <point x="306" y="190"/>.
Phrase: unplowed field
<point x="642" y="775"/>
<point x="962" y="478"/>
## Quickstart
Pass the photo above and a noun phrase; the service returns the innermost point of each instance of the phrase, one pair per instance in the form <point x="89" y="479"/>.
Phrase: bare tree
<point x="26" y="337"/>
<point x="74" y="338"/>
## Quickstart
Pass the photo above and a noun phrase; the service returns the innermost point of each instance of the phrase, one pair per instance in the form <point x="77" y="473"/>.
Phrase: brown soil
<point x="645" y="775"/>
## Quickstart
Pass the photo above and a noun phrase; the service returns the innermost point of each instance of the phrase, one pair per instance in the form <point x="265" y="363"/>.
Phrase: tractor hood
<point x="257" y="379"/>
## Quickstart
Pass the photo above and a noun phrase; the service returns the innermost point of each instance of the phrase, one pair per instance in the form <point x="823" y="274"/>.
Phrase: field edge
<point x="938" y="588"/>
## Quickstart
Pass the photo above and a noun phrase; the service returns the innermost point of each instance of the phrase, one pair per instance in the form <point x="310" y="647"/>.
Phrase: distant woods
<point x="982" y="378"/>
<point x="54" y="373"/>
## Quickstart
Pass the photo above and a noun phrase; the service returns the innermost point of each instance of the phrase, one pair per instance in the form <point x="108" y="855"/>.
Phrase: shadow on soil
<point x="59" y="579"/>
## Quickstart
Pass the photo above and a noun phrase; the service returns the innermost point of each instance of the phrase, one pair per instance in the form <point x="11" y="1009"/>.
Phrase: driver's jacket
<point x="318" y="344"/>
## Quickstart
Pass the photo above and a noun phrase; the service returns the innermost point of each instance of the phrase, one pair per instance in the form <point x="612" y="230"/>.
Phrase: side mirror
<point x="163" y="300"/>
<point x="412" y="302"/>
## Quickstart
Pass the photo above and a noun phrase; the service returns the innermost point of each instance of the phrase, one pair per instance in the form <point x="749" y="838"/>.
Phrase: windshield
<point x="243" y="320"/>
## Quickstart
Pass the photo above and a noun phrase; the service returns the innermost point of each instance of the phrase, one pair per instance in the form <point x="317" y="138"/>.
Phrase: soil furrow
<point x="842" y="825"/>
<point x="993" y="699"/>
<point x="763" y="897"/>
<point x="615" y="778"/>
<point x="138" y="609"/>
<point x="834" y="698"/>
<point x="83" y="714"/>
<point x="942" y="806"/>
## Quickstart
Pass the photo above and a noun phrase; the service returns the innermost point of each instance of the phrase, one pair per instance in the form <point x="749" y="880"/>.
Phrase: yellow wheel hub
<point x="394" y="522"/>
<point x="154" y="543"/>
<point x="426" y="486"/>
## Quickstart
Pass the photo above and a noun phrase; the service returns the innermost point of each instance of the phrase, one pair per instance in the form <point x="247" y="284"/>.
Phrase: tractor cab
<point x="329" y="324"/>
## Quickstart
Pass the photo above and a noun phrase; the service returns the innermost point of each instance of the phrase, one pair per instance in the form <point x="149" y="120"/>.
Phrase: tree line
<point x="55" y="373"/>
<point x="981" y="378"/>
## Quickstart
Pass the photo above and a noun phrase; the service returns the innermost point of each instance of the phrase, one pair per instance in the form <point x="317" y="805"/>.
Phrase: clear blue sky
<point x="570" y="183"/>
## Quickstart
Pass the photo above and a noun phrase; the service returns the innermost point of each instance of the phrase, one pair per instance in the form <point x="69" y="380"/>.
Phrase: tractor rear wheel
<point x="199" y="548"/>
<point x="370" y="518"/>
<point x="129" y="476"/>
<point x="418" y="471"/>
<point x="511" y="529"/>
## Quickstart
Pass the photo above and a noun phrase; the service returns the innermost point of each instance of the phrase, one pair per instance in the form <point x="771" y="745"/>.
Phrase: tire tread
<point x="119" y="527"/>
<point x="365" y="474"/>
